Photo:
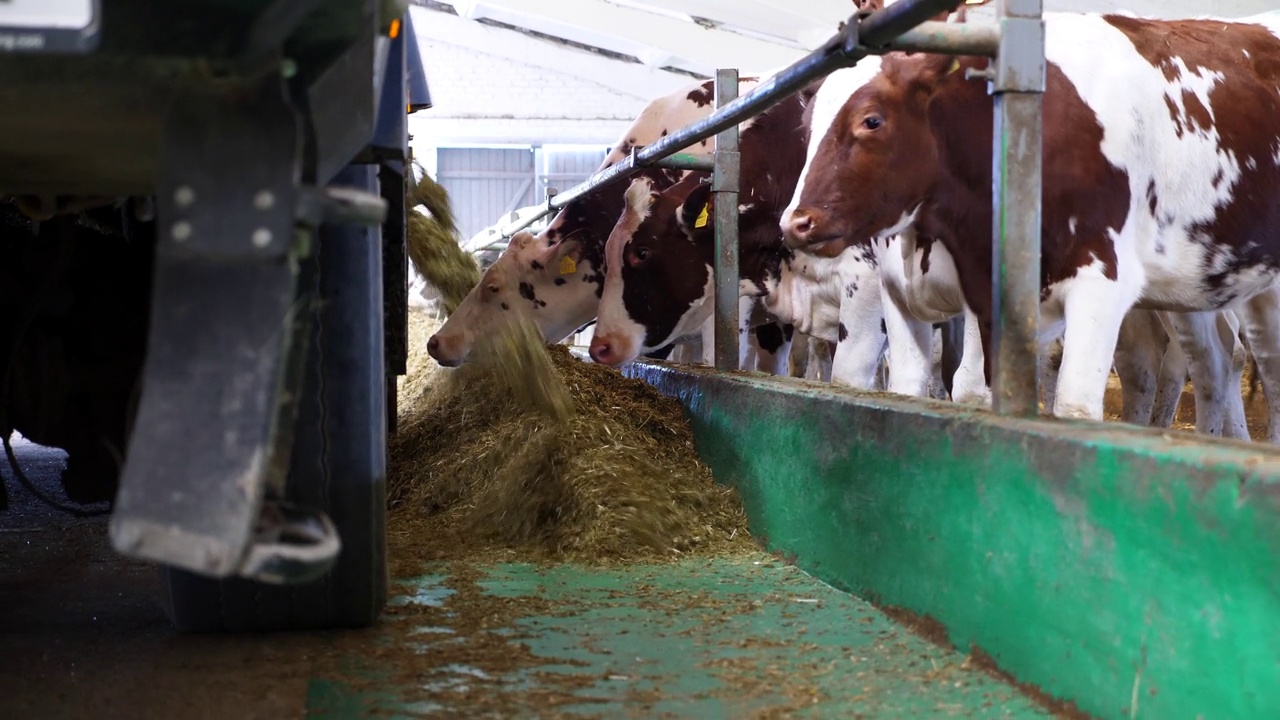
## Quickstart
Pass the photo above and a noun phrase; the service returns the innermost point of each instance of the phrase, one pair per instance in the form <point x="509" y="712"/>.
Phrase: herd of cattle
<point x="866" y="222"/>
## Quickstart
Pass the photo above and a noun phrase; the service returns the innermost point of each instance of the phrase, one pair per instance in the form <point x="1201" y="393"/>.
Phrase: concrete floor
<point x="82" y="636"/>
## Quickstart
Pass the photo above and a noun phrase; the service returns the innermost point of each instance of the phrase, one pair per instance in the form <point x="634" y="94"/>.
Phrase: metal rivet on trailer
<point x="181" y="230"/>
<point x="184" y="195"/>
<point x="264" y="200"/>
<point x="261" y="237"/>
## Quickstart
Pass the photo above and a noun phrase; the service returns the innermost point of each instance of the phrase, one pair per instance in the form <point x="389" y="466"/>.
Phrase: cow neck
<point x="772" y="158"/>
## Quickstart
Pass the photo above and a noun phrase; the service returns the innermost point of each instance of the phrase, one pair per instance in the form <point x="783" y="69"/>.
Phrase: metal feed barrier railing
<point x="1016" y="78"/>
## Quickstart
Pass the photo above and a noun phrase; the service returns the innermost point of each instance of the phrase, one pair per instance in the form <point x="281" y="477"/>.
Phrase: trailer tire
<point x="338" y="461"/>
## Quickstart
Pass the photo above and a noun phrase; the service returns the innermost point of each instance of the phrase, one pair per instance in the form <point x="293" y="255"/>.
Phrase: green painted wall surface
<point x="1130" y="571"/>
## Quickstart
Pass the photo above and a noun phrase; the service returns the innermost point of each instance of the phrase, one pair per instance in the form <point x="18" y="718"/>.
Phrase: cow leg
<point x="799" y="355"/>
<point x="709" y="341"/>
<point x="937" y="383"/>
<point x="1139" y="349"/>
<point x="970" y="384"/>
<point x="820" y="354"/>
<point x="1173" y="377"/>
<point x="748" y="348"/>
<point x="1209" y="365"/>
<point x="910" y="349"/>
<point x="774" y="342"/>
<point x="1260" y="316"/>
<point x="1093" y="308"/>
<point x="1049" y="365"/>
<point x="1236" y="424"/>
<point x="952" y="332"/>
<point x="861" y="342"/>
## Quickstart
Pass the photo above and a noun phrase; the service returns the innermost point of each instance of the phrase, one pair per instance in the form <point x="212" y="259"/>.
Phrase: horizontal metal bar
<point x="950" y="38"/>
<point x="842" y="50"/>
<point x="685" y="161"/>
<point x="882" y="26"/>
<point x="816" y="64"/>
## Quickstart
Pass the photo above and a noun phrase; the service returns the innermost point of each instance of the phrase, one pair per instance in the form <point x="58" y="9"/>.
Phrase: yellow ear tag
<point x="568" y="266"/>
<point x="702" y="217"/>
<point x="955" y="65"/>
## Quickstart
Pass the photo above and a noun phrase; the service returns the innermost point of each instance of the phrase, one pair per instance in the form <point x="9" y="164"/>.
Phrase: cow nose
<point x="601" y="351"/>
<point x="433" y="346"/>
<point x="801" y="226"/>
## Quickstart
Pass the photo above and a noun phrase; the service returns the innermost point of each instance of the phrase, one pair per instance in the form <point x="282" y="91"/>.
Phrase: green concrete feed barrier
<point x="1121" y="568"/>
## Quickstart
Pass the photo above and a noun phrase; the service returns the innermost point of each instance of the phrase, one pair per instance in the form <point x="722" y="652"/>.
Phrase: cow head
<point x="876" y="160"/>
<point x="656" y="278"/>
<point x="552" y="281"/>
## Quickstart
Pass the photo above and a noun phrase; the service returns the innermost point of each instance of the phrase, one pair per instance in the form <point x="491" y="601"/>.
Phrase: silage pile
<point x="528" y="447"/>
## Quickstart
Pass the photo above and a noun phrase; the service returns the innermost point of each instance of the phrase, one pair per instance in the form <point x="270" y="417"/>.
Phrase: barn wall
<point x="486" y="183"/>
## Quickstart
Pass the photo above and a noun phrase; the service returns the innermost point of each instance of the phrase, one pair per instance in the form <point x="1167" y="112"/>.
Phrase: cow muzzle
<point x="801" y="228"/>
<point x="445" y="351"/>
<point x="611" y="350"/>
<point x="809" y="230"/>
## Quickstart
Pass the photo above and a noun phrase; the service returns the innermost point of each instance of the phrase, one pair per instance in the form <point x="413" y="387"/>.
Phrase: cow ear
<point x="808" y="92"/>
<point x="695" y="215"/>
<point x="921" y="75"/>
<point x="561" y="257"/>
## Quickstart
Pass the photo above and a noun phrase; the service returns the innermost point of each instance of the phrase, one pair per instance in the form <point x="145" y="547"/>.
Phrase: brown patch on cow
<point x="1247" y="57"/>
<point x="704" y="95"/>
<point x="926" y="251"/>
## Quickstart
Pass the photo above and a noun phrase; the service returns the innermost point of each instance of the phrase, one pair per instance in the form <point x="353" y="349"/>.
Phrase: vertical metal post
<point x="1018" y="86"/>
<point x="724" y="190"/>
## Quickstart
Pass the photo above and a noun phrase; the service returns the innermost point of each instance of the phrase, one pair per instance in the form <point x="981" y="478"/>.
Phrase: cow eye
<point x="639" y="256"/>
<point x="642" y="253"/>
<point x="493" y="287"/>
<point x="871" y="122"/>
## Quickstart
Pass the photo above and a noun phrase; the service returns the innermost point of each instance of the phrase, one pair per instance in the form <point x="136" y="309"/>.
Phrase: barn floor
<point x="729" y="637"/>
<point x="746" y="636"/>
<point x="81" y="635"/>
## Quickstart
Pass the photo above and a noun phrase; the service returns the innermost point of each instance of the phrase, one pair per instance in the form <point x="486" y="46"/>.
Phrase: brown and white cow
<point x="921" y="283"/>
<point x="557" y="276"/>
<point x="659" y="283"/>
<point x="1161" y="181"/>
